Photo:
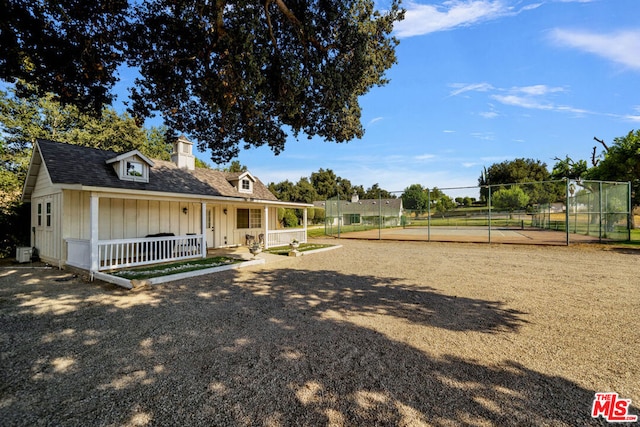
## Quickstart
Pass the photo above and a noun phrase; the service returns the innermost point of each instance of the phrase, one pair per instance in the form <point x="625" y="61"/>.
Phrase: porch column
<point x="93" y="231"/>
<point x="266" y="227"/>
<point x="304" y="223"/>
<point x="203" y="229"/>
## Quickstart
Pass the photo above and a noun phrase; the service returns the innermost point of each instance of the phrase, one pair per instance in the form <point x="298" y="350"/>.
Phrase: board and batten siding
<point x="130" y="218"/>
<point x="47" y="238"/>
<point x="76" y="222"/>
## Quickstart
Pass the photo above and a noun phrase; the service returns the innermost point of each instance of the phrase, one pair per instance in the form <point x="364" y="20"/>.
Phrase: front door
<point x="211" y="221"/>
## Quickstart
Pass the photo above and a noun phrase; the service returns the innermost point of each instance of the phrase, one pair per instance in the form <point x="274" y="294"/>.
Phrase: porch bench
<point x="191" y="247"/>
<point x="168" y="246"/>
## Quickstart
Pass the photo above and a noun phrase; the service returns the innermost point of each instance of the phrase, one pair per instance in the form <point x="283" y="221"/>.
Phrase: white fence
<point x="284" y="237"/>
<point x="122" y="253"/>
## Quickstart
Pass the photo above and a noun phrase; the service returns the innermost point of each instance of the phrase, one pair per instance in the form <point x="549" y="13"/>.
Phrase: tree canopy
<point x="520" y="171"/>
<point x="69" y="48"/>
<point x="23" y="120"/>
<point x="227" y="73"/>
<point x="568" y="168"/>
<point x="415" y="198"/>
<point x="621" y="162"/>
<point x="510" y="199"/>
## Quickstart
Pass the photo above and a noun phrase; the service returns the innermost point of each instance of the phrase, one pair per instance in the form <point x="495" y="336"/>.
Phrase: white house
<point x="100" y="210"/>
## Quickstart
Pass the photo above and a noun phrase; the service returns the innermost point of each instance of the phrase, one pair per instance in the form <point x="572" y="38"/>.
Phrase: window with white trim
<point x="255" y="218"/>
<point x="249" y="218"/>
<point x="134" y="169"/>
<point x="48" y="214"/>
<point x="245" y="185"/>
<point x="39" y="214"/>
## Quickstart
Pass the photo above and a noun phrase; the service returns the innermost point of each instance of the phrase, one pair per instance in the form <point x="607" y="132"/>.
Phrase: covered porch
<point x="127" y="232"/>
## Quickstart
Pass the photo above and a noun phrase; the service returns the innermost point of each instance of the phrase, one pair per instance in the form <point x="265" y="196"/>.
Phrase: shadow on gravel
<point x="258" y="351"/>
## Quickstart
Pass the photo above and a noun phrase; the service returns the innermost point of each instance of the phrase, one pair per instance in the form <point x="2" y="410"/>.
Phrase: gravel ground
<point x="373" y="333"/>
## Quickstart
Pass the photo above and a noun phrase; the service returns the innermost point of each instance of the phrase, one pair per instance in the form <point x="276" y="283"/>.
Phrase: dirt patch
<point x="374" y="333"/>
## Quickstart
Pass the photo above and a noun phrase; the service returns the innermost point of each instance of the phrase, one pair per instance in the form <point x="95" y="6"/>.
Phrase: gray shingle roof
<point x="74" y="164"/>
<point x="367" y="207"/>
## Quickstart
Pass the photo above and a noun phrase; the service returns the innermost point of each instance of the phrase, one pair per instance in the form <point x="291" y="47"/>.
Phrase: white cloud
<point x="533" y="97"/>
<point x="522" y="101"/>
<point x="621" y="47"/>
<point x="489" y="114"/>
<point x="375" y="120"/>
<point x="461" y="88"/>
<point x="485" y="136"/>
<point x="425" y="157"/>
<point x="423" y="19"/>
<point x="536" y="90"/>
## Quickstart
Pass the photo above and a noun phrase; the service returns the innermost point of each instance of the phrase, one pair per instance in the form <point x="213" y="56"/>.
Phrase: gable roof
<point x="237" y="176"/>
<point x="131" y="154"/>
<point x="366" y="207"/>
<point x="76" y="165"/>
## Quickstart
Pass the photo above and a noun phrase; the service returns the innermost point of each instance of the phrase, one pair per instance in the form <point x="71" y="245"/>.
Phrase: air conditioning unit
<point x="23" y="254"/>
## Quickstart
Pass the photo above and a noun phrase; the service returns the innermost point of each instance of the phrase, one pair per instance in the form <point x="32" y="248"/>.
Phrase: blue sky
<point x="479" y="82"/>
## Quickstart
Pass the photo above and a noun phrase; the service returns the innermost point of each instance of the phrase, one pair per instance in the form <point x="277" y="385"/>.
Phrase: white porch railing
<point x="122" y="253"/>
<point x="284" y="237"/>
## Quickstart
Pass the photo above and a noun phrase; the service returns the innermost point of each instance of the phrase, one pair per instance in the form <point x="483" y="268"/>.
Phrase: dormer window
<point x="134" y="169"/>
<point x="132" y="166"/>
<point x="243" y="182"/>
<point x="245" y="185"/>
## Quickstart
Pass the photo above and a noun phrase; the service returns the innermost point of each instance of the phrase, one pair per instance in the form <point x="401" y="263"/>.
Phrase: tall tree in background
<point x="325" y="182"/>
<point x="440" y="201"/>
<point x="510" y="199"/>
<point x="520" y="171"/>
<point x="225" y="73"/>
<point x="304" y="192"/>
<point x="23" y="120"/>
<point x="415" y="198"/>
<point x="235" y="166"/>
<point x="621" y="162"/>
<point x="322" y="185"/>
<point x="283" y="190"/>
<point x="375" y="192"/>
<point x="568" y="168"/>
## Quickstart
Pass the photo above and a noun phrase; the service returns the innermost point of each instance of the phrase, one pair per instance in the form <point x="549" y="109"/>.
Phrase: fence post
<point x="380" y="216"/>
<point x="600" y="211"/>
<point x="629" y="211"/>
<point x="489" y="206"/>
<point x="566" y="208"/>
<point x="339" y="215"/>
<point x="428" y="215"/>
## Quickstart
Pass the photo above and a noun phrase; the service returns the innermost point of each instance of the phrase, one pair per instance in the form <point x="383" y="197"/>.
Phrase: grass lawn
<point x="174" y="268"/>
<point x="304" y="247"/>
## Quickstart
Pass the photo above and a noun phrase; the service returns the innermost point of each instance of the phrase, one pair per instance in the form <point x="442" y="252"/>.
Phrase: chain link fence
<point x="547" y="212"/>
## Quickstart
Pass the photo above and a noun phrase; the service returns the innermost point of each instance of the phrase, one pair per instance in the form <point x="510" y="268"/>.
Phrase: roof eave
<point x="32" y="174"/>
<point x="164" y="194"/>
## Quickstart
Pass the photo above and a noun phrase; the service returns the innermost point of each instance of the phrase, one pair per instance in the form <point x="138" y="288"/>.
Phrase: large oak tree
<point x="230" y="74"/>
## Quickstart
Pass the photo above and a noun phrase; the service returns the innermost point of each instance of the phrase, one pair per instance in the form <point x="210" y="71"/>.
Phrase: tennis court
<point x="558" y="212"/>
<point x="528" y="236"/>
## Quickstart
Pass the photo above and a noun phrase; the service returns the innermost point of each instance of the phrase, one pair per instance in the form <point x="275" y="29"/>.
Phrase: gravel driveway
<point x="373" y="333"/>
